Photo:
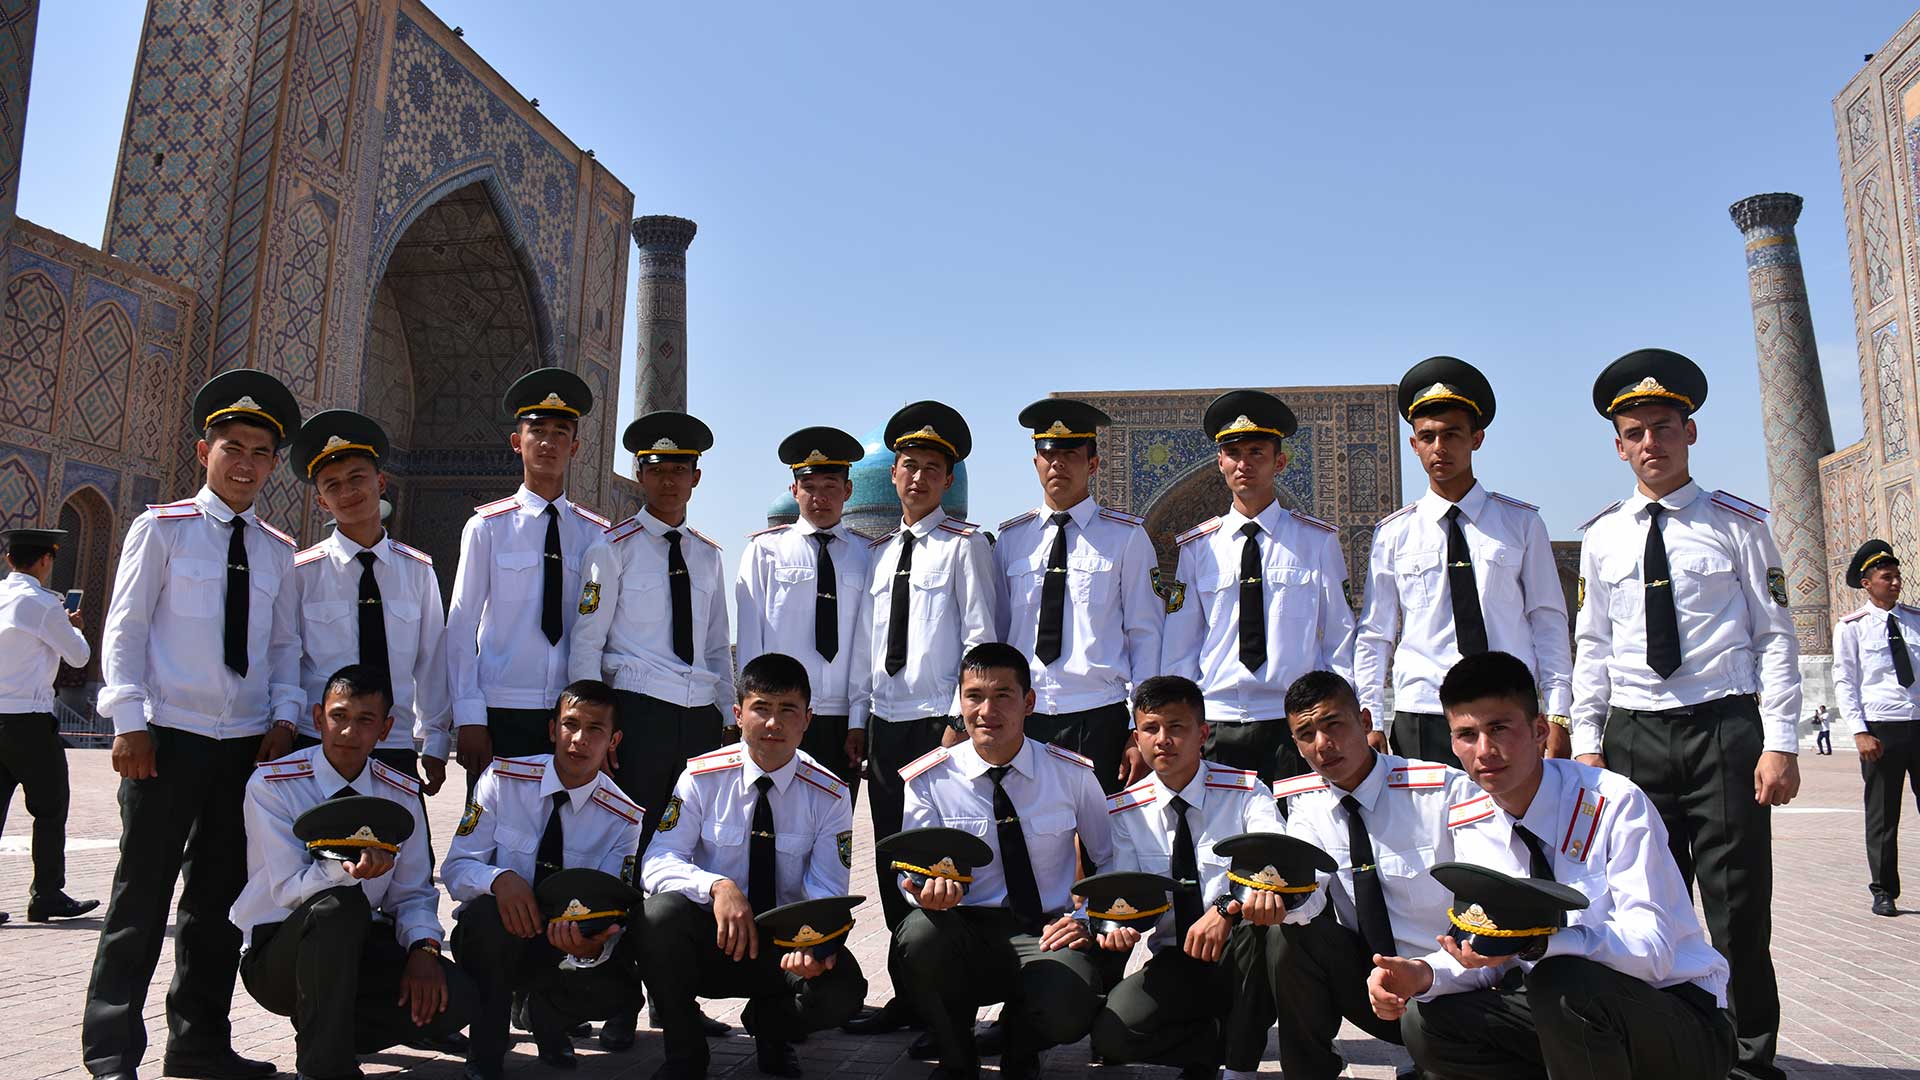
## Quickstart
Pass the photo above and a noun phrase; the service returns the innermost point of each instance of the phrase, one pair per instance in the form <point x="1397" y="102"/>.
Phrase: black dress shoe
<point x="453" y="1044"/>
<point x="127" y="1075"/>
<point x="224" y="1066"/>
<point x="776" y="1057"/>
<point x="1199" y="1072"/>
<point x="616" y="1032"/>
<point x="894" y="1016"/>
<point x="1883" y="905"/>
<point x="709" y="1027"/>
<point x="942" y="1072"/>
<point x="922" y="1048"/>
<point x="989" y="1039"/>
<point x="1020" y="1065"/>
<point x="555" y="1049"/>
<point x="58" y="906"/>
<point x="679" y="1070"/>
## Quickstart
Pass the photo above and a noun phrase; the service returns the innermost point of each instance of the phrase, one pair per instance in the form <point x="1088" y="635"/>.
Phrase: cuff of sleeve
<point x="129" y="718"/>
<point x="1586" y="737"/>
<point x="1570" y="941"/>
<point x="436" y="744"/>
<point x="409" y="931"/>
<point x="1559" y="702"/>
<point x="1306" y="912"/>
<point x="470" y="714"/>
<point x="703" y="884"/>
<point x="1445" y="974"/>
<point x="857" y="717"/>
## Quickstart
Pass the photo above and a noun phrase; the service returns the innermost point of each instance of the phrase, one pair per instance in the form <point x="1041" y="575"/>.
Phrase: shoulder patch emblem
<point x="1172" y="591"/>
<point x="1012" y="521"/>
<point x="1608" y="509"/>
<point x="671" y="818"/>
<point x="589" y="598"/>
<point x="1197" y="531"/>
<point x="843" y="842"/>
<point x="1777" y="585"/>
<point x="469" y="819"/>
<point x="628" y="866"/>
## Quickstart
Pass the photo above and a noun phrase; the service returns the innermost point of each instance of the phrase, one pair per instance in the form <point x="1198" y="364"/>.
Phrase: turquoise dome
<point x="873" y="498"/>
<point x="783" y="510"/>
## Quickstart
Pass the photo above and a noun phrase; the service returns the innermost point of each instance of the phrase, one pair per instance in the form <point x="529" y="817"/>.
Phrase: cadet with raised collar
<point x="750" y="828"/>
<point x="37" y="633"/>
<point x="1627" y="985"/>
<point x="201" y="661"/>
<point x="931" y="600"/>
<point x="368" y="599"/>
<point x="1259" y="598"/>
<point x="1458" y="572"/>
<point x="1873" y="684"/>
<point x="340" y="911"/>
<point x="1685" y="656"/>
<point x="802" y="591"/>
<point x="1204" y="995"/>
<point x="527" y="820"/>
<point x="514" y="598"/>
<point x="1075" y="583"/>
<point x="1014" y="936"/>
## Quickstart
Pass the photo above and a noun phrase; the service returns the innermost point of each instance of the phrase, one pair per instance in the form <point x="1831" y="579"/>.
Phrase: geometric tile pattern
<point x="95" y="397"/>
<point x="301" y="293"/>
<point x="328" y="63"/>
<point x="23" y="479"/>
<point x="1891" y="376"/>
<point x="251" y="195"/>
<point x="1876" y="229"/>
<point x="17" y="21"/>
<point x="36" y="319"/>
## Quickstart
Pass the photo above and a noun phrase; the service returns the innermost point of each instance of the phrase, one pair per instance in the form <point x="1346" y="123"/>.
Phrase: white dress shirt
<point x="706" y="833"/>
<point x="1053" y="791"/>
<point x="34" y="637"/>
<point x="328" y="578"/>
<point x="1408" y="616"/>
<point x="951" y="608"/>
<point x="625" y="632"/>
<point x="775" y="594"/>
<point x="506" y="817"/>
<point x="1609" y="844"/>
<point x="1404" y="805"/>
<point x="1110" y="627"/>
<point x="497" y="654"/>
<point x="282" y="875"/>
<point x="1307" y="617"/>
<point x="1865" y="687"/>
<point x="161" y="655"/>
<point x="1735" y="638"/>
<point x="1221" y="802"/>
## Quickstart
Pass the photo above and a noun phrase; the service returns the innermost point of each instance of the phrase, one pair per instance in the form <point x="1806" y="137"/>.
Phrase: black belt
<point x="1695" y="995"/>
<point x="1706" y="706"/>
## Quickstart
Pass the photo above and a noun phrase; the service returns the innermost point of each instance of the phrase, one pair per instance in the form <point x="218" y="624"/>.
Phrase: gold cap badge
<point x="1269" y="876"/>
<point x="1059" y="428"/>
<point x="1476" y="918"/>
<point x="1121" y="907"/>
<point x="814" y="457"/>
<point x="364" y="832"/>
<point x="554" y="401"/>
<point x="575" y="910"/>
<point x="945" y="868"/>
<point x="335" y="442"/>
<point x="807" y="935"/>
<point x="665" y="444"/>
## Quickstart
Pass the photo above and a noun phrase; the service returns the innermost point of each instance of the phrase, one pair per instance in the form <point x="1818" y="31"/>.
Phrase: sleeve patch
<point x="843" y="843"/>
<point x="469" y="819"/>
<point x="1777" y="585"/>
<point x="672" y="816"/>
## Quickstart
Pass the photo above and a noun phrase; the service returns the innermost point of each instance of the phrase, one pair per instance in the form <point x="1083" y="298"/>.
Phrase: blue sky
<point x="985" y="203"/>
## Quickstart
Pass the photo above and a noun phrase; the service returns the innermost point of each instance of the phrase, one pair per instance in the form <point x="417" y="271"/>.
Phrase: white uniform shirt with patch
<point x="497" y="654"/>
<point x="625" y="632"/>
<point x="1735" y="636"/>
<point x="1307" y="617"/>
<point x="1055" y="794"/>
<point x="951" y="608"/>
<point x="507" y="815"/>
<point x="705" y="834"/>
<point x="281" y="875"/>
<point x="328" y="578"/>
<point x="162" y="655"/>
<point x="35" y="637"/>
<point x="1407" y="620"/>
<point x="1865" y="685"/>
<point x="1607" y="841"/>
<point x="775" y="595"/>
<point x="1110" y="627"/>
<point x="1221" y="802"/>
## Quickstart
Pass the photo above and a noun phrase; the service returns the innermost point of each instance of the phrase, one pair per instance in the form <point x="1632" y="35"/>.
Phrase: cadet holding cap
<point x="1879" y="702"/>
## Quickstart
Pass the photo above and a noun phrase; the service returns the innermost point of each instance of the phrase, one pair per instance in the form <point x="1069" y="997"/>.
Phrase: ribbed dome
<point x="783" y="510"/>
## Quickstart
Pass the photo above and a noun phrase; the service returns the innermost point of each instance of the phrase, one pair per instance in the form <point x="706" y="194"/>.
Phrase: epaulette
<point x="1578" y="843"/>
<point x="1402" y="512"/>
<point x="1511" y="501"/>
<point x="1314" y="521"/>
<point x="277" y="534"/>
<point x="711" y="542"/>
<point x="1298" y="785"/>
<point x="518" y="768"/>
<point x="589" y="515"/>
<point x="822" y="779"/>
<point x="617" y="805"/>
<point x="1861" y="614"/>
<point x="879" y="540"/>
<point x="410" y="552"/>
<point x="616" y="533"/>
<point x="958" y="527"/>
<point x="1468" y="812"/>
<point x="1067" y="755"/>
<point x="1741" y="506"/>
<point x="394" y="778"/>
<point x="1140" y="794"/>
<point x="1908" y="608"/>
<point x="714" y="761"/>
<point x="498" y="506"/>
<point x="1418" y="776"/>
<point x="1012" y="521"/>
<point x="1121" y="516"/>
<point x="922" y="763"/>
<point x="1219" y="776"/>
<point x="768" y="531"/>
<point x="1609" y="508"/>
<point x="304" y="557"/>
<point x="1197" y="531"/>
<point x="297" y="767"/>
<point x="173" y="511"/>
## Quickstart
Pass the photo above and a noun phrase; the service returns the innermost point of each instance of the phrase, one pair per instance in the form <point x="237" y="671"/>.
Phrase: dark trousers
<point x="1423" y="737"/>
<point x="519" y="732"/>
<point x="183" y="823"/>
<point x="1697" y="766"/>
<point x="1570" y="1019"/>
<point x="33" y="757"/>
<point x="502" y="965"/>
<point x="826" y="742"/>
<point x="1099" y="734"/>
<point x="1265" y="746"/>
<point x="336" y="972"/>
<point x="684" y="965"/>
<point x="1897" y="768"/>
<point x="1181" y="1012"/>
<point x="1319" y="971"/>
<point x="892" y="744"/>
<point x="1823" y="741"/>
<point x="656" y="739"/>
<point x="957" y="960"/>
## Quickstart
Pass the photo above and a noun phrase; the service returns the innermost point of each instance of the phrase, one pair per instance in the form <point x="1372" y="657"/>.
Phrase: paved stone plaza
<point x="1851" y="995"/>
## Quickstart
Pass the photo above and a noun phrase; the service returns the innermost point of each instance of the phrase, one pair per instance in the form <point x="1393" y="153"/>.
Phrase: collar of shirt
<point x="216" y="508"/>
<point x="1268" y="520"/>
<point x="1081" y="513"/>
<point x="330" y="781"/>
<point x="1195" y="795"/>
<point x="1542" y="818"/>
<point x="343" y="550"/>
<point x="805" y="528"/>
<point x="18" y="577"/>
<point x="973" y="766"/>
<point x="750" y="771"/>
<point x="1368" y="793"/>
<point x="577" y="797"/>
<point x="535" y="505"/>
<point x="657" y="527"/>
<point x="1434" y="506"/>
<point x="1678" y="499"/>
<point x="925" y="526"/>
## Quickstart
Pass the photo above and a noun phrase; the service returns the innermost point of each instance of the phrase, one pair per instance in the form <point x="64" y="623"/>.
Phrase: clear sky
<point x="984" y="203"/>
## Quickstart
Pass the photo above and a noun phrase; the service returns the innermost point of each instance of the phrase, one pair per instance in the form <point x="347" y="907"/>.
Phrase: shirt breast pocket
<point x="1026" y="579"/>
<point x="518" y="841"/>
<point x="1703" y="583"/>
<point x="327" y="619"/>
<point x="1626" y="599"/>
<point x="930" y="595"/>
<point x="1091" y="578"/>
<point x="791" y="585"/>
<point x="1417" y="575"/>
<point x="793" y="844"/>
<point x="517" y="572"/>
<point x="1499" y="573"/>
<point x="196" y="588"/>
<point x="1050" y="823"/>
<point x="1299" y="599"/>
<point x="721" y="835"/>
<point x="978" y="826"/>
<point x="648" y="590"/>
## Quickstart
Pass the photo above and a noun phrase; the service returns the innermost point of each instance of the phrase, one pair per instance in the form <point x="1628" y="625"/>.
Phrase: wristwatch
<point x="424" y="945"/>
<point x="1563" y="722"/>
<point x="1220" y="905"/>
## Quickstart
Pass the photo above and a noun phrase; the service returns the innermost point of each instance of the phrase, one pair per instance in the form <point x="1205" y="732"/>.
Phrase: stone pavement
<point x="1851" y="995"/>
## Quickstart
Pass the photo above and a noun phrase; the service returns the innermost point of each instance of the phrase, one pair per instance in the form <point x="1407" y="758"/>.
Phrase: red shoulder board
<point x="1219" y="776"/>
<point x="619" y="807"/>
<point x="822" y="779"/>
<point x="1741" y="506"/>
<point x="1012" y="521"/>
<point x="1140" y="794"/>
<point x="1468" y="812"/>
<point x="716" y="761"/>
<point x="278" y="535"/>
<point x="1857" y="615"/>
<point x="589" y="515"/>
<point x="519" y="768"/>
<point x="1068" y="755"/>
<point x="1122" y="517"/>
<point x="769" y="532"/>
<point x="1578" y="843"/>
<point x="395" y="778"/>
<point x="1402" y="512"/>
<point x="307" y="556"/>
<point x="711" y="542"/>
<point x="625" y="529"/>
<point x="1198" y="531"/>
<point x="174" y="511"/>
<point x="958" y="527"/>
<point x="879" y="540"/>
<point x="922" y="763"/>
<point x="498" y="506"/>
<point x="1298" y="785"/>
<point x="297" y="767"/>
<point x="1418" y="776"/>
<point x="411" y="552"/>
<point x="1610" y="508"/>
<point x="1511" y="501"/>
<point x="1309" y="519"/>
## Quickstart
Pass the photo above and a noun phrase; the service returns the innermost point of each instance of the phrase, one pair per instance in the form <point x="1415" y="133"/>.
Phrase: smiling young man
<point x="201" y="661"/>
<point x="1685" y="656"/>
<point x="750" y="828"/>
<point x="1879" y="702"/>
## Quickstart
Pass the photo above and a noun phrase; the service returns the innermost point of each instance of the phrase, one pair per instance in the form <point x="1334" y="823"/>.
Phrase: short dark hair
<point x="585" y="692"/>
<point x="360" y="680"/>
<point x="1316" y="687"/>
<point x="944" y="454"/>
<point x="1490" y="675"/>
<point x="1155" y="694"/>
<point x="22" y="556"/>
<point x="998" y="656"/>
<point x="573" y="422"/>
<point x="774" y="673"/>
<point x="214" y="430"/>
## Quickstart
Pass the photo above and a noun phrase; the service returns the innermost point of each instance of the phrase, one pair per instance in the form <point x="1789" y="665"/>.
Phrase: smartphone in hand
<point x="74" y="596"/>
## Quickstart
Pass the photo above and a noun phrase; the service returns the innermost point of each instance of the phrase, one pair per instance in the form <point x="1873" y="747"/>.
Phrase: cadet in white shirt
<point x="37" y="632"/>
<point x="527" y="819"/>
<point x="1015" y="935"/>
<point x="513" y="603"/>
<point x="368" y="599"/>
<point x="1204" y="996"/>
<point x="1460" y="571"/>
<point x="315" y="951"/>
<point x="1629" y="987"/>
<point x="1259" y="598"/>
<point x="749" y="828"/>
<point x="200" y="656"/>
<point x="802" y="591"/>
<point x="1874" y="684"/>
<point x="1075" y="583"/>
<point x="1685" y="656"/>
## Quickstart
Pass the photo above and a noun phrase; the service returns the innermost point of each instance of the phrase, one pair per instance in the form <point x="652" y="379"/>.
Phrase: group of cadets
<point x="1028" y="710"/>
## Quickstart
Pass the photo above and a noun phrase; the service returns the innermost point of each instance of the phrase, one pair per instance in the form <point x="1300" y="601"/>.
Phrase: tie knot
<point x="998" y="773"/>
<point x="559" y="799"/>
<point x="906" y="539"/>
<point x="1061" y="518"/>
<point x="239" y="523"/>
<point x="366" y="558"/>
<point x="823" y="538"/>
<point x="672" y="535"/>
<point x="1180" y="805"/>
<point x="763" y="783"/>
<point x="551" y="511"/>
<point x="1453" y="512"/>
<point x="1654" y="510"/>
<point x="1250" y="530"/>
<point x="1350" y="804"/>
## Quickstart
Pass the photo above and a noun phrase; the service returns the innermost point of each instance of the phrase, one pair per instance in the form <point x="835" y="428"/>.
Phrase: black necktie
<point x="826" y="604"/>
<point x="553" y="843"/>
<point x="1469" y="625"/>
<point x="680" y="584"/>
<point x="1897" y="645"/>
<point x="239" y="596"/>
<point x="1185" y="867"/>
<point x="760" y="865"/>
<point x="550" y="584"/>
<point x="1369" y="896"/>
<point x="1253" y="602"/>
<point x="1023" y="893"/>
<point x="897" y="611"/>
<point x="346" y="792"/>
<point x="373" y="620"/>
<point x="1539" y="864"/>
<point x="1663" y="623"/>
<point x="1053" y="594"/>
